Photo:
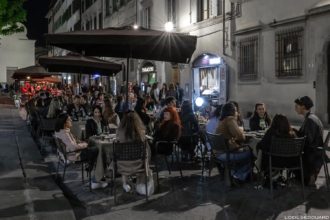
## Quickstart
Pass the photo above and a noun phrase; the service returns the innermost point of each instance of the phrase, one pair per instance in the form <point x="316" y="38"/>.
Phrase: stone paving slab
<point x="28" y="193"/>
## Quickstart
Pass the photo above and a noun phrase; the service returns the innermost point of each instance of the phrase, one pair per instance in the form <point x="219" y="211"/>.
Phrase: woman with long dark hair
<point x="131" y="129"/>
<point x="162" y="94"/>
<point x="95" y="125"/>
<point x="140" y="109"/>
<point x="62" y="128"/>
<point x="190" y="128"/>
<point x="260" y="119"/>
<point x="281" y="128"/>
<point x="229" y="128"/>
<point x="109" y="115"/>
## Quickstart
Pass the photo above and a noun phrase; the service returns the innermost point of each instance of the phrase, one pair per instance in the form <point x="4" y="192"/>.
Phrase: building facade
<point x="250" y="50"/>
<point x="16" y="51"/>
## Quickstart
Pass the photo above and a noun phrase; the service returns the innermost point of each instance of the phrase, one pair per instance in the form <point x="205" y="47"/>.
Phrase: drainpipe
<point x="224" y="27"/>
<point x="80" y="14"/>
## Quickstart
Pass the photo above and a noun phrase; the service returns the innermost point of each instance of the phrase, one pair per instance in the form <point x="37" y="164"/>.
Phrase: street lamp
<point x="135" y="26"/>
<point x="169" y="26"/>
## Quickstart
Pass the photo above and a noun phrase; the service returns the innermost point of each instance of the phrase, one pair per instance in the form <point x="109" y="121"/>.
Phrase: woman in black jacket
<point x="169" y="130"/>
<point x="190" y="128"/>
<point x="260" y="119"/>
<point x="280" y="128"/>
<point x="95" y="125"/>
<point x="140" y="109"/>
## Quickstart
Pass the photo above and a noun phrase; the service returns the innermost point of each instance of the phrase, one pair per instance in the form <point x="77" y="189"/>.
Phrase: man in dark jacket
<point x="312" y="129"/>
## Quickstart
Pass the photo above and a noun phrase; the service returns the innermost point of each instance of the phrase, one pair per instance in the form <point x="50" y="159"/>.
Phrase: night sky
<point x="36" y="22"/>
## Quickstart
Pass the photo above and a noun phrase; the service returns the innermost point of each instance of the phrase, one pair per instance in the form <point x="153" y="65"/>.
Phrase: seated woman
<point x="75" y="110"/>
<point x="131" y="129"/>
<point x="213" y="122"/>
<point x="109" y="115"/>
<point x="62" y="128"/>
<point x="95" y="125"/>
<point x="140" y="109"/>
<point x="189" y="128"/>
<point x="280" y="127"/>
<point x="260" y="119"/>
<point x="229" y="128"/>
<point x="169" y="130"/>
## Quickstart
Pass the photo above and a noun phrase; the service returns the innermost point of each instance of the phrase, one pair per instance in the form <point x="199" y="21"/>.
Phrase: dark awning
<point x="73" y="63"/>
<point x="126" y="42"/>
<point x="32" y="72"/>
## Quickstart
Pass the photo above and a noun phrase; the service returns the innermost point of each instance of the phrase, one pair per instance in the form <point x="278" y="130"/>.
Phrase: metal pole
<point x="127" y="72"/>
<point x="224" y="27"/>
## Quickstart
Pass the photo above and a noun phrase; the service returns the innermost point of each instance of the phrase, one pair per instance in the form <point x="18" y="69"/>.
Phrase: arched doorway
<point x="210" y="78"/>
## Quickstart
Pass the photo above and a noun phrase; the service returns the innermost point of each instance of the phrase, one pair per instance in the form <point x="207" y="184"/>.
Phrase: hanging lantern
<point x="27" y="85"/>
<point x="24" y="90"/>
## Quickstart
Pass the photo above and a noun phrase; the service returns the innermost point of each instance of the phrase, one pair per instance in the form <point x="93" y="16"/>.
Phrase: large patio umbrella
<point x="74" y="63"/>
<point x="126" y="42"/>
<point x="32" y="72"/>
<point x="48" y="79"/>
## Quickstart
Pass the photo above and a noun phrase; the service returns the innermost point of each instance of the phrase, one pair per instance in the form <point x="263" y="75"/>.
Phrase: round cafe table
<point x="104" y="143"/>
<point x="253" y="139"/>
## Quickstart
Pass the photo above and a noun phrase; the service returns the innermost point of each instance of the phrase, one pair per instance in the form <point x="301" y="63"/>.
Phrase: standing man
<point x="180" y="93"/>
<point x="312" y="129"/>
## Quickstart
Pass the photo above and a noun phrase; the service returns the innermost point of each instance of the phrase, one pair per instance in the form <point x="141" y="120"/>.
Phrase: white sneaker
<point x="126" y="187"/>
<point x="104" y="184"/>
<point x="96" y="185"/>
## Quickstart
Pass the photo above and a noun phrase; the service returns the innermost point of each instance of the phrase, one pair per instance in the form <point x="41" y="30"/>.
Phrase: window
<point x="209" y="79"/>
<point x="146" y="18"/>
<point x="171" y="14"/>
<point x="289" y="52"/>
<point x="248" y="58"/>
<point x="203" y="10"/>
<point x="100" y="20"/>
<point x="219" y="7"/>
<point x="238" y="9"/>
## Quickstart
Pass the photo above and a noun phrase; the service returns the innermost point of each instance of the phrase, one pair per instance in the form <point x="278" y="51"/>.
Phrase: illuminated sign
<point x="214" y="61"/>
<point x="148" y="69"/>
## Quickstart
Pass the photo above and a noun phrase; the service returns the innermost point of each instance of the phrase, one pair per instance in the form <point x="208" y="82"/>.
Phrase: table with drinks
<point x="104" y="143"/>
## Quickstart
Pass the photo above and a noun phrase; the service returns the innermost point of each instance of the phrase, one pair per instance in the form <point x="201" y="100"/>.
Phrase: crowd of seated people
<point x="173" y="122"/>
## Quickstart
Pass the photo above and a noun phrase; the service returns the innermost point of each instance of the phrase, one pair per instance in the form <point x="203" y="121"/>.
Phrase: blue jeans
<point x="239" y="172"/>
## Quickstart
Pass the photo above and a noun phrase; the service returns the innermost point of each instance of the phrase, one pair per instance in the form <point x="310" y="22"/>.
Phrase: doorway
<point x="328" y="81"/>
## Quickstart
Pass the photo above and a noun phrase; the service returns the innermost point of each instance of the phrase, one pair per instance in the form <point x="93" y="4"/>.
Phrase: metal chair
<point x="175" y="151"/>
<point x="187" y="141"/>
<point x="325" y="148"/>
<point x="130" y="151"/>
<point x="63" y="160"/>
<point x="286" y="148"/>
<point x="46" y="128"/>
<point x="219" y="145"/>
